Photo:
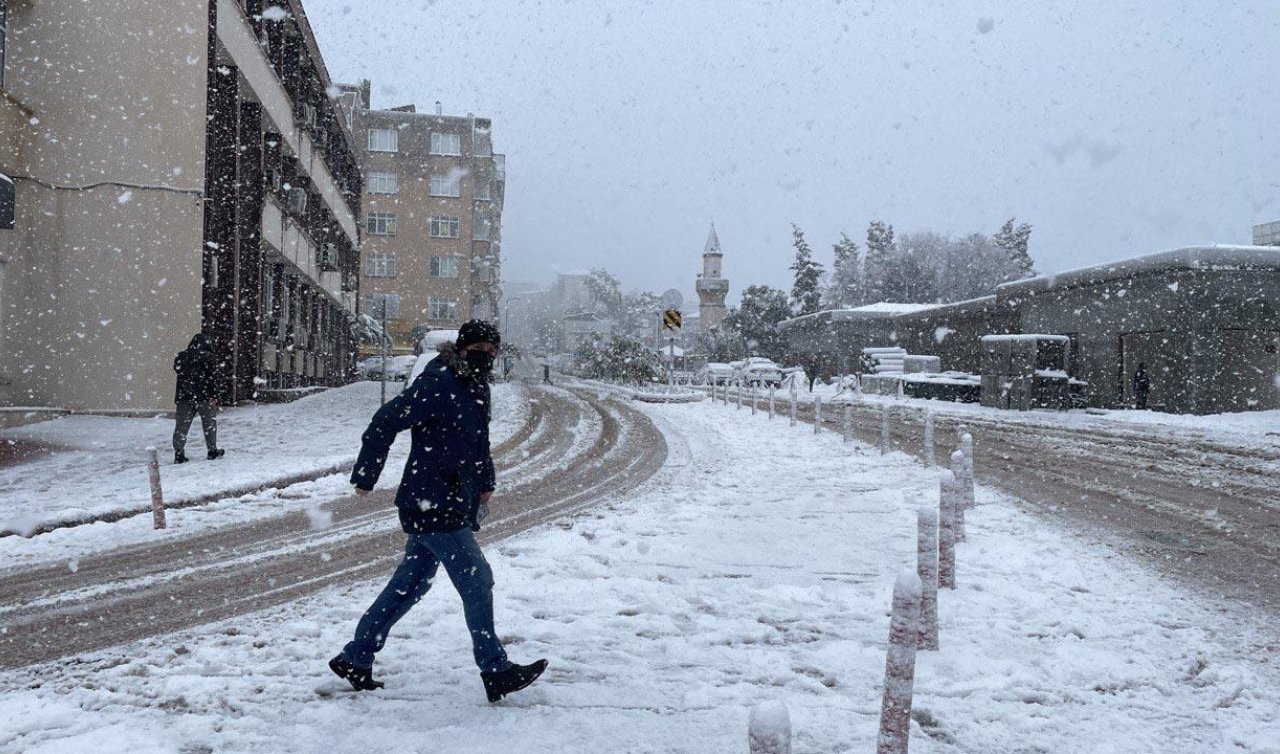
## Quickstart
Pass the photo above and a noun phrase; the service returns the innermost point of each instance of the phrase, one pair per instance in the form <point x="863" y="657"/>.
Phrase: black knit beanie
<point x="477" y="331"/>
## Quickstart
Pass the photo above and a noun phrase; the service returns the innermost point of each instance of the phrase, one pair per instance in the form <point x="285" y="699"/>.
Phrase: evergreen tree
<point x="879" y="253"/>
<point x="846" y="277"/>
<point x="1012" y="242"/>
<point x="754" y="322"/>
<point x="806" y="295"/>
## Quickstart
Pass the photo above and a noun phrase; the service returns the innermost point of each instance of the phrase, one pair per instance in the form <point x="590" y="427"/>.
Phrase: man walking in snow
<point x="447" y="482"/>
<point x="197" y="386"/>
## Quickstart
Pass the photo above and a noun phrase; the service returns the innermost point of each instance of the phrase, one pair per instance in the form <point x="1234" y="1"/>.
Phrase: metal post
<point x="754" y="394"/>
<point x="157" y="495"/>
<point x="384" y="349"/>
<point x="848" y="422"/>
<point x="737" y="394"/>
<point x="817" y="414"/>
<point x="929" y="458"/>
<point x="884" y="429"/>
<point x="772" y="389"/>
<point x="793" y="407"/>
<point x="957" y="492"/>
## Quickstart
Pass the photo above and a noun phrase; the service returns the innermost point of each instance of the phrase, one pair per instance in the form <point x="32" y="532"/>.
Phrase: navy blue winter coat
<point x="446" y="411"/>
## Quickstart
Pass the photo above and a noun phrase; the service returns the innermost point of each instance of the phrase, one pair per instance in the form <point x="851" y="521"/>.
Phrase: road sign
<point x="671" y="319"/>
<point x="672" y="299"/>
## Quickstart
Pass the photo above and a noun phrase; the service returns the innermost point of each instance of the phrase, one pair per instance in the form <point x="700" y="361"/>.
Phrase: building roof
<point x="878" y="310"/>
<point x="713" y="243"/>
<point x="1201" y="258"/>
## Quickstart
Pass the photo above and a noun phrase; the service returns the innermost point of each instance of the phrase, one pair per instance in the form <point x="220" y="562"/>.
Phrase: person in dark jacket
<point x="1141" y="386"/>
<point x="197" y="386"/>
<point x="443" y="494"/>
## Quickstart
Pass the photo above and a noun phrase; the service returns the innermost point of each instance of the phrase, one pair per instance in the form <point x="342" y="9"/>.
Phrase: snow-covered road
<point x="756" y="565"/>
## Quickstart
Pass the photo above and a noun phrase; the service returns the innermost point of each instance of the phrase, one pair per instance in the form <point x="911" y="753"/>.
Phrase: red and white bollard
<point x="769" y="729"/>
<point x="157" y="494"/>
<point x="927" y="570"/>
<point x="947" y="532"/>
<point x="900" y="667"/>
<point x="957" y="492"/>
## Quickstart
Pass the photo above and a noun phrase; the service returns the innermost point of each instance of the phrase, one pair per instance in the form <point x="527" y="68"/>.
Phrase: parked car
<point x="715" y="373"/>
<point x="758" y="370"/>
<point x="398" y="367"/>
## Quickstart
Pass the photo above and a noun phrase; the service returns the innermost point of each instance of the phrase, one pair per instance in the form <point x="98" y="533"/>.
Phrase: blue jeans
<point x="460" y="554"/>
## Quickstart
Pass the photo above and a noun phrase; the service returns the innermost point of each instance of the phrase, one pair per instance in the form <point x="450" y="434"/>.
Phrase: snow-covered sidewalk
<point x="757" y="566"/>
<point x="99" y="468"/>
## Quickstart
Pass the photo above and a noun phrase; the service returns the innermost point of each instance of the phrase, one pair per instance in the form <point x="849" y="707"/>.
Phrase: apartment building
<point x="177" y="167"/>
<point x="433" y="201"/>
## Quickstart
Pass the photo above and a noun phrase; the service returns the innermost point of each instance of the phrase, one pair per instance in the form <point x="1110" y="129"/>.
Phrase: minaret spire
<point x="712" y="288"/>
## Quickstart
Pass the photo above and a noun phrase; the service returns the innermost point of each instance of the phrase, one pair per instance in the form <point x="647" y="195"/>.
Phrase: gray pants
<point x="208" y="421"/>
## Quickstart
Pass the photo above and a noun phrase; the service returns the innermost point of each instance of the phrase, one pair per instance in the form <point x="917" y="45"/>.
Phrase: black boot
<point x="514" y="678"/>
<point x="361" y="679"/>
<point x="216" y="454"/>
<point x="179" y="457"/>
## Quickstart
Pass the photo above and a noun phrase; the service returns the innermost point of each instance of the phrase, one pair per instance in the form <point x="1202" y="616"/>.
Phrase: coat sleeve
<point x="416" y="405"/>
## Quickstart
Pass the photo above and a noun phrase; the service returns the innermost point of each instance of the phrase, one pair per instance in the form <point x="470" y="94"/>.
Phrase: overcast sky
<point x="1115" y="128"/>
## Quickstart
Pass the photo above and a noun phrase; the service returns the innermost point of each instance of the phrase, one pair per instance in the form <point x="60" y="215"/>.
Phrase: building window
<point x="383" y="183"/>
<point x="444" y="267"/>
<point x="447" y="185"/>
<point x="374" y="302"/>
<point x="380" y="266"/>
<point x="484" y="190"/>
<point x="442" y="308"/>
<point x="382" y="223"/>
<point x="384" y="140"/>
<point x="483" y="227"/>
<point x="444" y="227"/>
<point x="446" y="144"/>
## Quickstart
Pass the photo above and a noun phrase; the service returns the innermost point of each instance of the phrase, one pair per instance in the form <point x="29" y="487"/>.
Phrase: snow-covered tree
<point x="1013" y="241"/>
<point x="846" y="277"/>
<point x="806" y="293"/>
<point x="754" y="322"/>
<point x="605" y="291"/>
<point x="880" y="248"/>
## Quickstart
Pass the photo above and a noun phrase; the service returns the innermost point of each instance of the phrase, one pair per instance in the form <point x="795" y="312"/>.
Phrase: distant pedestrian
<point x="1141" y="386"/>
<point x="197" y="388"/>
<point x="443" y="494"/>
<point x="546" y="373"/>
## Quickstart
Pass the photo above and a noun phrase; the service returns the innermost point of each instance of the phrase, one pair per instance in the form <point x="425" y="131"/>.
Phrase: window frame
<point x="380" y="177"/>
<point x="387" y="221"/>
<point x="442" y="223"/>
<point x="455" y="182"/>
<point x="481" y="220"/>
<point x="450" y="304"/>
<point x="437" y="266"/>
<point x="380" y="265"/>
<point x="394" y="140"/>
<point x="375" y="310"/>
<point x="437" y="136"/>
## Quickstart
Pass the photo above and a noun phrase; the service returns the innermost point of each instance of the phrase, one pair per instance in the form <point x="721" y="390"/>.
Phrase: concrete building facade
<point x="434" y="193"/>
<point x="223" y="196"/>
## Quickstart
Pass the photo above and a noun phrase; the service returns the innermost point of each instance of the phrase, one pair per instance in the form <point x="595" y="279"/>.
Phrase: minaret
<point x="711" y="287"/>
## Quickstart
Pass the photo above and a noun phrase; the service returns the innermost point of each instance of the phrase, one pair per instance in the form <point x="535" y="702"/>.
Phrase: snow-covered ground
<point x="757" y="566"/>
<point x="101" y="470"/>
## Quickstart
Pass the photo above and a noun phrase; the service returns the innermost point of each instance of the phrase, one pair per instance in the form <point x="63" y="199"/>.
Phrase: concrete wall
<point x="953" y="332"/>
<point x="1175" y="321"/>
<point x="103" y="279"/>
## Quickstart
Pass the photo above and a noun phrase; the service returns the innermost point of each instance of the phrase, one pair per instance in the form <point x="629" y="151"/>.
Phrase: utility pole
<point x="384" y="350"/>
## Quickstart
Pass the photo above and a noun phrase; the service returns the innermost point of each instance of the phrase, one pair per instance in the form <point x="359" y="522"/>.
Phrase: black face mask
<point x="481" y="362"/>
